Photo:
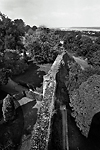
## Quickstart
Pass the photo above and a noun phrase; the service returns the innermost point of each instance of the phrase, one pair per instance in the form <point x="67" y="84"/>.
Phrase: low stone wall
<point x="42" y="129"/>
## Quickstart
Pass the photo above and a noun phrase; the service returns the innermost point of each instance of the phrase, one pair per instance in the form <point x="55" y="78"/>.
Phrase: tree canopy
<point x="11" y="33"/>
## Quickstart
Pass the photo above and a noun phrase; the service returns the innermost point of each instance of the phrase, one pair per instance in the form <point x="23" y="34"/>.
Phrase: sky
<point x="54" y="13"/>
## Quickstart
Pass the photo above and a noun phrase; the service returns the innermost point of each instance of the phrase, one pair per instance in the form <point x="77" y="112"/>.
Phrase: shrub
<point x="95" y="59"/>
<point x="4" y="76"/>
<point x="16" y="67"/>
<point x="20" y="67"/>
<point x="42" y="45"/>
<point x="85" y="103"/>
<point x="77" y="76"/>
<point x="14" y="63"/>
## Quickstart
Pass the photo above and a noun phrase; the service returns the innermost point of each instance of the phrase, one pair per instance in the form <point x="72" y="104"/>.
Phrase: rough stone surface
<point x="8" y="108"/>
<point x="54" y="92"/>
<point x="34" y="95"/>
<point x="42" y="128"/>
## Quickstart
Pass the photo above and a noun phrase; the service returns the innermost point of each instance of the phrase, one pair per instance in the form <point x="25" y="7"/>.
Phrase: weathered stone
<point x="34" y="95"/>
<point x="30" y="94"/>
<point x="38" y="96"/>
<point x="48" y="131"/>
<point x="42" y="129"/>
<point x="19" y="95"/>
<point x="8" y="108"/>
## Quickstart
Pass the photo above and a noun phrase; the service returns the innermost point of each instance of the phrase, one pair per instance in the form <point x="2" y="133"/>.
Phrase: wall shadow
<point x="94" y="132"/>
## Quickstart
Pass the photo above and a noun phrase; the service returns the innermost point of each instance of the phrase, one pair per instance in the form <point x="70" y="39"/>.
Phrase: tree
<point x="94" y="60"/>
<point x="34" y="28"/>
<point x="27" y="27"/>
<point x="42" y="44"/>
<point x="71" y="42"/>
<point x="19" y="23"/>
<point x="11" y="45"/>
<point x="84" y="46"/>
<point x="30" y="31"/>
<point x="97" y="41"/>
<point x="4" y="73"/>
<point x="11" y="33"/>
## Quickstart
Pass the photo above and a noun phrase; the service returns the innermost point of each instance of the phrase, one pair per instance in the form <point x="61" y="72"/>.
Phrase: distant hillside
<point x="85" y="28"/>
<point x="81" y="28"/>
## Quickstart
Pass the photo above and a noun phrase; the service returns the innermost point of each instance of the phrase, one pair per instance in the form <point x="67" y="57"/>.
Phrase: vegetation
<point x="85" y="102"/>
<point x="10" y="33"/>
<point x="83" y="87"/>
<point x="82" y="44"/>
<point x="42" y="44"/>
<point x="77" y="75"/>
<point x="20" y="42"/>
<point x="95" y="59"/>
<point x="11" y="46"/>
<point x="4" y="73"/>
<point x="84" y="92"/>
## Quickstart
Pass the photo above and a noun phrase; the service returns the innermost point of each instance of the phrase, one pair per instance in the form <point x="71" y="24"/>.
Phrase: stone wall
<point x="55" y="128"/>
<point x="54" y="95"/>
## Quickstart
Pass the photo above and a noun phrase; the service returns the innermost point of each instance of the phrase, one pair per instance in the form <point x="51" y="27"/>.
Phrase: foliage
<point x="69" y="41"/>
<point x="34" y="28"/>
<point x="11" y="64"/>
<point x="14" y="63"/>
<point x="4" y="73"/>
<point x="20" y="67"/>
<point x="42" y="44"/>
<point x="95" y="59"/>
<point x="97" y="40"/>
<point x="11" y="46"/>
<point x="74" y="70"/>
<point x="10" y="33"/>
<point x="77" y="75"/>
<point x="20" y="26"/>
<point x="85" y="46"/>
<point x="84" y="85"/>
<point x="85" y="103"/>
<point x="80" y="43"/>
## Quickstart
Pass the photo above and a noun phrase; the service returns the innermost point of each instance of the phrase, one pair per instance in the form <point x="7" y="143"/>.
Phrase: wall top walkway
<point x="41" y="131"/>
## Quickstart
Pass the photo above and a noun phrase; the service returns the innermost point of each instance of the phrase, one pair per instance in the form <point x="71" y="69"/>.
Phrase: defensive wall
<point x="48" y="130"/>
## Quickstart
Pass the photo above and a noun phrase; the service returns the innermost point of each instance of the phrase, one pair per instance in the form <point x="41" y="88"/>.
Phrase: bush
<point x="11" y="64"/>
<point x="85" y="103"/>
<point x="4" y="76"/>
<point x="14" y="63"/>
<point x="42" y="45"/>
<point x="94" y="60"/>
<point x="77" y="76"/>
<point x="20" y="67"/>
